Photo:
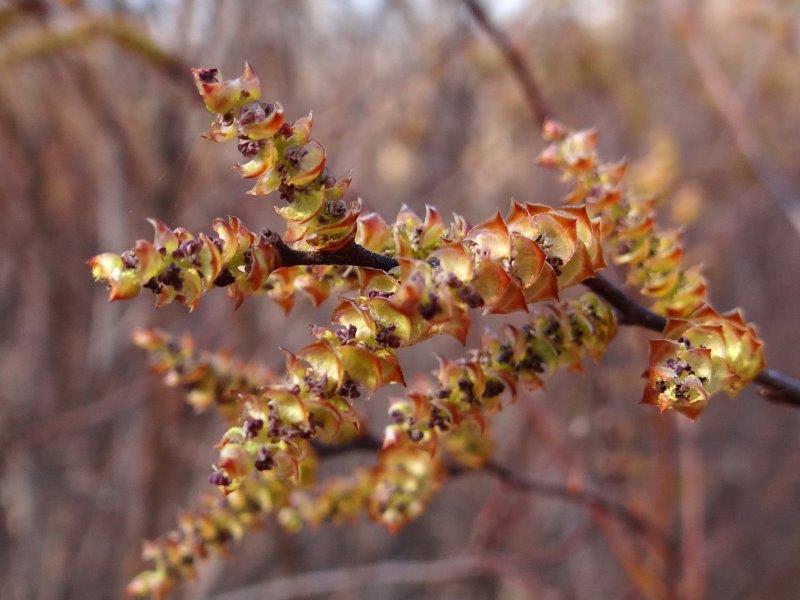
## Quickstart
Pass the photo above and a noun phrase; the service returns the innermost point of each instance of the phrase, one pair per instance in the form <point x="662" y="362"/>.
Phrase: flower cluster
<point x="500" y="266"/>
<point x="653" y="257"/>
<point x="466" y="390"/>
<point x="209" y="378"/>
<point x="209" y="529"/>
<point x="280" y="157"/>
<point x="443" y="419"/>
<point x="179" y="266"/>
<point x="704" y="352"/>
<point x="431" y="275"/>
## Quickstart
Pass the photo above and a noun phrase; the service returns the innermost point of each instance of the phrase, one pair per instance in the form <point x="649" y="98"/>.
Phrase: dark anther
<point x="492" y="388"/>
<point x="431" y="308"/>
<point x="443" y="393"/>
<point x="293" y="156"/>
<point x="379" y="294"/>
<point x="286" y="130"/>
<point x="531" y="362"/>
<point x="224" y="278"/>
<point x="252" y="427"/>
<point x="249" y="148"/>
<point x="129" y="259"/>
<point x="397" y="416"/>
<point x="219" y="478"/>
<point x="153" y="285"/>
<point x="255" y="113"/>
<point x="453" y="281"/>
<point x="172" y="277"/>
<point x="439" y="419"/>
<point x="269" y="236"/>
<point x="264" y="460"/>
<point x="227" y="119"/>
<point x="316" y="386"/>
<point x="386" y="337"/>
<point x="470" y="297"/>
<point x="336" y="208"/>
<point x="506" y="354"/>
<point x="468" y="389"/>
<point x="556" y="263"/>
<point x="186" y="249"/>
<point x="349" y="389"/>
<point x="661" y="385"/>
<point x="434" y="261"/>
<point x="286" y="192"/>
<point x="208" y="75"/>
<point x="552" y="328"/>
<point x="346" y="334"/>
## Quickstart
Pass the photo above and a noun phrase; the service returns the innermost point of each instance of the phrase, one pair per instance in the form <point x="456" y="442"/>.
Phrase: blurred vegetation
<point x="99" y="128"/>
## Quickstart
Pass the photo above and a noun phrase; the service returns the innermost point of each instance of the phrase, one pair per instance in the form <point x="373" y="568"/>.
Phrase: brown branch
<point x="591" y="499"/>
<point x="343" y="581"/>
<point x="127" y="36"/>
<point x="732" y="109"/>
<point x="352" y="255"/>
<point x="516" y="62"/>
<point x="777" y="386"/>
<point x="587" y="497"/>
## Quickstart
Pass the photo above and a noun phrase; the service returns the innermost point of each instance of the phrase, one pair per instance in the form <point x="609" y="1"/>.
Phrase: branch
<point x="589" y="498"/>
<point x="118" y="30"/>
<point x="346" y="580"/>
<point x="516" y="62"/>
<point x="578" y="495"/>
<point x="778" y="387"/>
<point x="732" y="110"/>
<point x="352" y="255"/>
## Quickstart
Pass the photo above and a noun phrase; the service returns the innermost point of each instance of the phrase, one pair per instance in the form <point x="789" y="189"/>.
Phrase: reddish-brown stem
<point x="589" y="498"/>
<point x="777" y="386"/>
<point x="516" y="62"/>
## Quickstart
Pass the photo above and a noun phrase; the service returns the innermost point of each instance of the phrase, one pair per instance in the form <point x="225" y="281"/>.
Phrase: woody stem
<point x="777" y="386"/>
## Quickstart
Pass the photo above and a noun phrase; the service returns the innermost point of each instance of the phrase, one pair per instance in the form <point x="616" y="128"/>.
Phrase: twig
<point x="778" y="387"/>
<point x="125" y="35"/>
<point x="693" y="524"/>
<point x="352" y="255"/>
<point x="732" y="110"/>
<point x="516" y="62"/>
<point x="349" y="579"/>
<point x="578" y="495"/>
<point x="589" y="498"/>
